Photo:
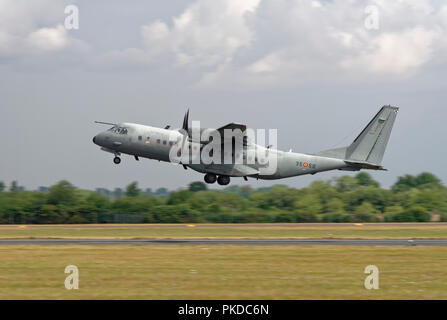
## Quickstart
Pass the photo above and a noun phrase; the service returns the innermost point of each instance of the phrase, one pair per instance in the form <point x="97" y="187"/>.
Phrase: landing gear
<point x="117" y="160"/>
<point x="210" y="178"/>
<point x="223" y="180"/>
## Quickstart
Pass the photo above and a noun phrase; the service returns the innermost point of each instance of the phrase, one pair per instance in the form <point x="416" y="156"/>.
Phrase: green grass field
<point x="158" y="231"/>
<point x="222" y="272"/>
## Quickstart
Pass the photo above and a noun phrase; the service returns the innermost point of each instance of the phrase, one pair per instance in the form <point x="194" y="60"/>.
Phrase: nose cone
<point x="94" y="140"/>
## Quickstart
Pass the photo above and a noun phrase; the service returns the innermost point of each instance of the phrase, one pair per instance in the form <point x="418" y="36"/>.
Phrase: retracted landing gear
<point x="210" y="178"/>
<point x="117" y="160"/>
<point x="223" y="180"/>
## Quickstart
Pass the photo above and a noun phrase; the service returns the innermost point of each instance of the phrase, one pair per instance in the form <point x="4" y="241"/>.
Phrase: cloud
<point x="51" y="39"/>
<point x="206" y="34"/>
<point x="396" y="52"/>
<point x="251" y="43"/>
<point x="280" y="41"/>
<point x="34" y="28"/>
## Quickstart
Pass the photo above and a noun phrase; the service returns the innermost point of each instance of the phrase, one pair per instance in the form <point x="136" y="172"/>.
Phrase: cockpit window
<point x="119" y="130"/>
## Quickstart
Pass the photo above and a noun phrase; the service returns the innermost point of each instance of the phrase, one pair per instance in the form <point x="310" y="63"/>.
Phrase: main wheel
<point x="117" y="160"/>
<point x="223" y="180"/>
<point x="210" y="178"/>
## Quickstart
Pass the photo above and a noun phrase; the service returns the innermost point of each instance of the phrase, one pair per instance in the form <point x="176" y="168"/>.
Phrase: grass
<point x="222" y="272"/>
<point x="157" y="231"/>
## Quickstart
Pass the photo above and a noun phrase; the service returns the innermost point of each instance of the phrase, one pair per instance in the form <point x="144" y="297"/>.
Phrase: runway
<point x="259" y="242"/>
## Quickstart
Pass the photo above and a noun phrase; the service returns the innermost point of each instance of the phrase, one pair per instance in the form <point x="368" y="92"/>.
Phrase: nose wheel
<point x="117" y="160"/>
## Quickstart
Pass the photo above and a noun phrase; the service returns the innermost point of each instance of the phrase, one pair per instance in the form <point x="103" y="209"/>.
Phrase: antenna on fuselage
<point x="108" y="123"/>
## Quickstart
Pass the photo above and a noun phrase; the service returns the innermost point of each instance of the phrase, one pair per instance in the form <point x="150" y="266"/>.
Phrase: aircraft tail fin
<point x="369" y="146"/>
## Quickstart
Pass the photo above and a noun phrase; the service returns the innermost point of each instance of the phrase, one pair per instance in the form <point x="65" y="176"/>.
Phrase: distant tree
<point x="394" y="209"/>
<point x="325" y="191"/>
<point x="364" y="213"/>
<point x="284" y="217"/>
<point x="161" y="192"/>
<point x="307" y="207"/>
<point x="346" y="183"/>
<point x="335" y="206"/>
<point x="336" y="217"/>
<point x="197" y="186"/>
<point x="306" y="217"/>
<point x="49" y="214"/>
<point x="232" y="201"/>
<point x="178" y="197"/>
<point x="117" y="193"/>
<point x="364" y="179"/>
<point x="245" y="191"/>
<point x="102" y="191"/>
<point x="413" y="214"/>
<point x="404" y="183"/>
<point x="344" y="199"/>
<point x="420" y="214"/>
<point x="44" y="189"/>
<point x="2" y="186"/>
<point x="148" y="192"/>
<point x="14" y="186"/>
<point x="62" y="193"/>
<point x="132" y="189"/>
<point x="276" y="197"/>
<point x="203" y="201"/>
<point x="423" y="180"/>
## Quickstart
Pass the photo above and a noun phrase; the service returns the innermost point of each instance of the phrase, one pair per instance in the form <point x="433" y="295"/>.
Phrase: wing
<point x="235" y="170"/>
<point x="232" y="126"/>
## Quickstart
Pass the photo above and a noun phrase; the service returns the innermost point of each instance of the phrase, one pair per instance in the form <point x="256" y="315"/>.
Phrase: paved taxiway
<point x="263" y="242"/>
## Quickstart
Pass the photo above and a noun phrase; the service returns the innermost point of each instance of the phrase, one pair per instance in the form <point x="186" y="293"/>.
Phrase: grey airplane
<point x="170" y="145"/>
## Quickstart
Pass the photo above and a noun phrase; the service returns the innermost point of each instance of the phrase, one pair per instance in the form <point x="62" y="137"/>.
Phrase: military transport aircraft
<point x="171" y="145"/>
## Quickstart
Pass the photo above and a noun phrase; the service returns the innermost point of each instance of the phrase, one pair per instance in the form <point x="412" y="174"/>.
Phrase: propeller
<point x="185" y="132"/>
<point x="185" y="125"/>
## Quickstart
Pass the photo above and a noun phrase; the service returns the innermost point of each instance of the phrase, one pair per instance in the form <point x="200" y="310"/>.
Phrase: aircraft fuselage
<point x="156" y="143"/>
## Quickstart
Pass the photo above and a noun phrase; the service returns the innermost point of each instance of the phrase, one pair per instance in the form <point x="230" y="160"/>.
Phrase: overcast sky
<point x="314" y="70"/>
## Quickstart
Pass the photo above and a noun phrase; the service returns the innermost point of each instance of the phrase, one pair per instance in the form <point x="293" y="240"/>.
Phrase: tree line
<point x="358" y="198"/>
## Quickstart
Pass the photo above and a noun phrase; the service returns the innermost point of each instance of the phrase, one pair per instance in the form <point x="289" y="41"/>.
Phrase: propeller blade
<point x="185" y="122"/>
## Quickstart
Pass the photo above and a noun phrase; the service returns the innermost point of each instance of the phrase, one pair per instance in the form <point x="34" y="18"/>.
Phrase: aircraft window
<point x="140" y="138"/>
<point x="164" y="141"/>
<point x="119" y="130"/>
<point x="148" y="139"/>
<point x="158" y="140"/>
